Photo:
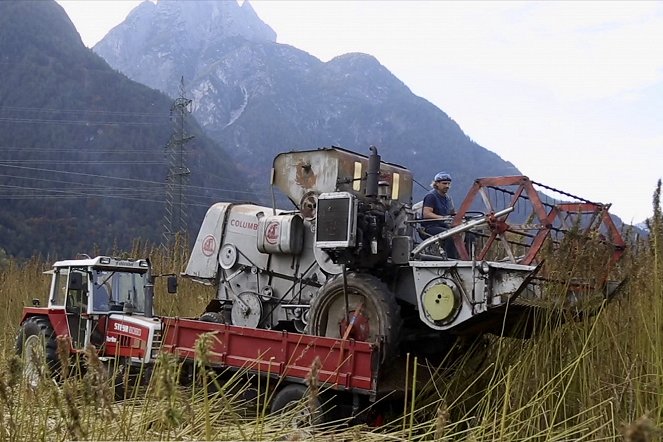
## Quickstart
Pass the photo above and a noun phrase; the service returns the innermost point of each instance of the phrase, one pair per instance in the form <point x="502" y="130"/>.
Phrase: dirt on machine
<point x="346" y="278"/>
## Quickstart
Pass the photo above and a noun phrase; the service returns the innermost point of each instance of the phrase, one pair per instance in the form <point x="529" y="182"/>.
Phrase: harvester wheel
<point x="374" y="315"/>
<point x="38" y="347"/>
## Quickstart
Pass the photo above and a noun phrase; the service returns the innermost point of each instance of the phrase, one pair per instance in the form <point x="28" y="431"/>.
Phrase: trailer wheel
<point x="290" y="402"/>
<point x="216" y="317"/>
<point x="37" y="345"/>
<point x="374" y="314"/>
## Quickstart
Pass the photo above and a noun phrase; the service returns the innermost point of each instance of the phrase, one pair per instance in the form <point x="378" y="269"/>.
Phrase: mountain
<point x="153" y="26"/>
<point x="82" y="147"/>
<point x="258" y="97"/>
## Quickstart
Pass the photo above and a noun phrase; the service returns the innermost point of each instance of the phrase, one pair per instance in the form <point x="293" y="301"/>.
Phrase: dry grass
<point x="596" y="379"/>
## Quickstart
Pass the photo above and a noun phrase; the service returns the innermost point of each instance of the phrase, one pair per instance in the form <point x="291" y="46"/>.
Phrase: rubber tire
<point x="215" y="317"/>
<point x="39" y="327"/>
<point x="125" y="379"/>
<point x="290" y="396"/>
<point x="382" y="304"/>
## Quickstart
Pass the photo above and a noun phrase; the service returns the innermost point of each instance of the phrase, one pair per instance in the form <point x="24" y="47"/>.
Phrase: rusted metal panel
<point x="334" y="169"/>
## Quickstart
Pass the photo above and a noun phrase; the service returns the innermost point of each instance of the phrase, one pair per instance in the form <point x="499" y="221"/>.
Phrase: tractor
<point x="104" y="302"/>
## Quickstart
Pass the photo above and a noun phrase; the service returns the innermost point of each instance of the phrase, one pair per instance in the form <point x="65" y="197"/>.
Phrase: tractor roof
<point x="104" y="261"/>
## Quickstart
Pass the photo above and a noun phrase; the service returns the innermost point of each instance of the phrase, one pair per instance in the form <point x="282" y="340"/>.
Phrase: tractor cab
<point x="89" y="290"/>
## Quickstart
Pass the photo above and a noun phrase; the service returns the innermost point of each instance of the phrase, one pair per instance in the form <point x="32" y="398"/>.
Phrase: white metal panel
<point x="203" y="262"/>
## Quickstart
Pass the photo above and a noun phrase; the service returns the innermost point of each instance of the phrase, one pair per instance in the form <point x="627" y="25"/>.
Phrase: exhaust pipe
<point x="373" y="173"/>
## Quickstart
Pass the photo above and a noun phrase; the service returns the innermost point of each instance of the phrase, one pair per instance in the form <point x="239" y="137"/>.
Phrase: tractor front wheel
<point x="37" y="345"/>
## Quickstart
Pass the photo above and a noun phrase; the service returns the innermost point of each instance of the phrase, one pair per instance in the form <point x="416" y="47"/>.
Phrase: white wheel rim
<point x="33" y="358"/>
<point x="299" y="414"/>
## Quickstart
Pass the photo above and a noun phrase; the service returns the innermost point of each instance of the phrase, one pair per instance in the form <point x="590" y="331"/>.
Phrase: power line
<point x="77" y="150"/>
<point x="141" y="195"/>
<point x="50" y="161"/>
<point x="135" y="180"/>
<point x="85" y="111"/>
<point x="75" y="122"/>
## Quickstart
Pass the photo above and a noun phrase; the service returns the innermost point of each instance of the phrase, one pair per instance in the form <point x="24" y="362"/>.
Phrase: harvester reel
<point x="246" y="310"/>
<point x="374" y="315"/>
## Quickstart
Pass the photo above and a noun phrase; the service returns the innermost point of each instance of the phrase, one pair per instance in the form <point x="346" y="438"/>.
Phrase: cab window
<point x="59" y="286"/>
<point x="77" y="299"/>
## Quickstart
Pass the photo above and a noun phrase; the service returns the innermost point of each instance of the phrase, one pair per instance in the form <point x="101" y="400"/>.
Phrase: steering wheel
<point x="473" y="214"/>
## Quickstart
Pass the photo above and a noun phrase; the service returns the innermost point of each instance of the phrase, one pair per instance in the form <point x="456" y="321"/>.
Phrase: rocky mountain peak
<point x="201" y="21"/>
<point x="173" y="34"/>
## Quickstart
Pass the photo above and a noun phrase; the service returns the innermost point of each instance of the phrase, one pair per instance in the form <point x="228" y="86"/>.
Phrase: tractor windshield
<point x="116" y="290"/>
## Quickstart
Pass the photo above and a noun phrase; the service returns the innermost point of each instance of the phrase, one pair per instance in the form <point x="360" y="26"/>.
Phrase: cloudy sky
<point x="570" y="92"/>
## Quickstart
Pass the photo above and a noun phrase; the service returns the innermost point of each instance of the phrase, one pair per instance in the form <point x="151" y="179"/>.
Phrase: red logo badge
<point x="272" y="232"/>
<point x="209" y="245"/>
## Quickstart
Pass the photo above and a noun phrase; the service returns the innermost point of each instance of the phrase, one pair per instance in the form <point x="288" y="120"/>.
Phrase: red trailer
<point x="345" y="367"/>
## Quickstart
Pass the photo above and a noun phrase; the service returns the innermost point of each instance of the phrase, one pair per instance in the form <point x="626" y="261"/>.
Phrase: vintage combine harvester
<point x="343" y="278"/>
<point x="348" y="261"/>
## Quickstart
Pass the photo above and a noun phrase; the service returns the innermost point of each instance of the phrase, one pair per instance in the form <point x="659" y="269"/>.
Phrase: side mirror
<point x="172" y="284"/>
<point x="75" y="281"/>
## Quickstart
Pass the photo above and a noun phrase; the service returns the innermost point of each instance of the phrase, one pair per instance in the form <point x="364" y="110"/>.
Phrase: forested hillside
<point x="83" y="148"/>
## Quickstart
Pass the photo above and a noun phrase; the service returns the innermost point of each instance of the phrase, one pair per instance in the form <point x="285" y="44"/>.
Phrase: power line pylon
<point x="176" y="216"/>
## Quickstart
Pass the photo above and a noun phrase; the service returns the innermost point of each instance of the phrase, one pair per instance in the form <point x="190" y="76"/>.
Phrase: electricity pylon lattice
<point x="176" y="216"/>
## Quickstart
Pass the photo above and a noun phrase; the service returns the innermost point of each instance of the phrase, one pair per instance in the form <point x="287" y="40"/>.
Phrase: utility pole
<point x="176" y="215"/>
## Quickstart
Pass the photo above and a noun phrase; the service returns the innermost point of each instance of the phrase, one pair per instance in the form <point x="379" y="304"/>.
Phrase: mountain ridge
<point x="82" y="162"/>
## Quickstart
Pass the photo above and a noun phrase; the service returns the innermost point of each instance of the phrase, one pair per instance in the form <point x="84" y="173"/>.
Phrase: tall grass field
<point x="599" y="378"/>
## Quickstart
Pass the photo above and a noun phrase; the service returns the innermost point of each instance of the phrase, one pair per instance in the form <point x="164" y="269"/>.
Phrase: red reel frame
<point x="547" y="219"/>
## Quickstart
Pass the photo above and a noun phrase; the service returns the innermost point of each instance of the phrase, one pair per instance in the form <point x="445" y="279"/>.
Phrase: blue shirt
<point x="441" y="204"/>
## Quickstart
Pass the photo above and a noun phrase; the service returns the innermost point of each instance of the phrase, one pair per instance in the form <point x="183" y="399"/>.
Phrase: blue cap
<point x="442" y="176"/>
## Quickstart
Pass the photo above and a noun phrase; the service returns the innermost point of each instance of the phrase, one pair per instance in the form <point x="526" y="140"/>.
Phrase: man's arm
<point x="429" y="214"/>
<point x="427" y="211"/>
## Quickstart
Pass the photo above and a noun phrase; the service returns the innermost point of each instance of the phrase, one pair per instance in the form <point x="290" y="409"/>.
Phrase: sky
<point x="570" y="92"/>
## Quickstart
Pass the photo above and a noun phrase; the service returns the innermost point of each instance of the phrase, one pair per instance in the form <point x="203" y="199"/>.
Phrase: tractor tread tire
<point x="41" y="326"/>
